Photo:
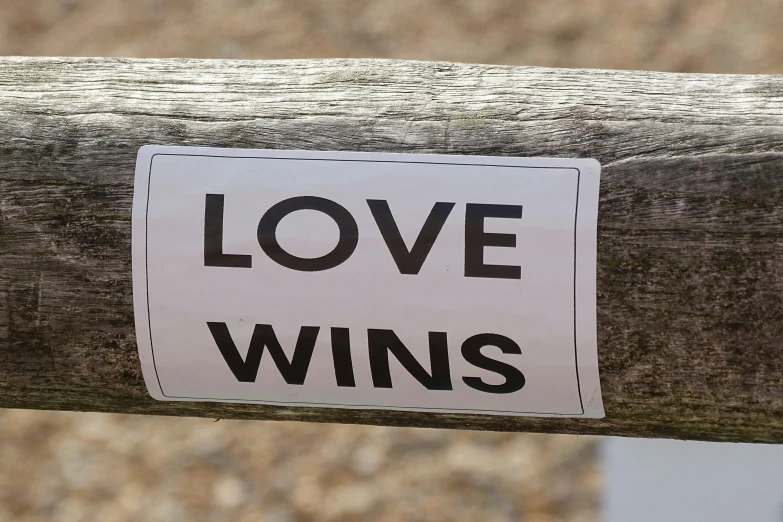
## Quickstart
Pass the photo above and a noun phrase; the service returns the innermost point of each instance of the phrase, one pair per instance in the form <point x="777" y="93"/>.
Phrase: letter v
<point x="409" y="262"/>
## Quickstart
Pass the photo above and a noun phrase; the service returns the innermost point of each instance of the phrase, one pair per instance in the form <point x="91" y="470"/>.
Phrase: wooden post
<point x="690" y="275"/>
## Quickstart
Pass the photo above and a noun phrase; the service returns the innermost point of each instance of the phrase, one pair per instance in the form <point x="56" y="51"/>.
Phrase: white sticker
<point x="460" y="284"/>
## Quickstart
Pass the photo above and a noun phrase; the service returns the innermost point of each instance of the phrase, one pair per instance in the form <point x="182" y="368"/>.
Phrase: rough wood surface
<point x="690" y="276"/>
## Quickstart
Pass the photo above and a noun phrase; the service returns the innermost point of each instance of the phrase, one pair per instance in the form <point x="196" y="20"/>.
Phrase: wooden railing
<point x="690" y="255"/>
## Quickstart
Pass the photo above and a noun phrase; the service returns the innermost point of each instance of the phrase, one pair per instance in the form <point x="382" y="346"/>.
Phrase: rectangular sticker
<point x="439" y="283"/>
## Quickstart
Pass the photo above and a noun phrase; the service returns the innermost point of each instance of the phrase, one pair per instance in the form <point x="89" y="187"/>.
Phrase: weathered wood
<point x="690" y="277"/>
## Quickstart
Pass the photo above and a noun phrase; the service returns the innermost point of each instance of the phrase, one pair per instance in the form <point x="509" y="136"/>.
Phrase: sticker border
<point x="246" y="155"/>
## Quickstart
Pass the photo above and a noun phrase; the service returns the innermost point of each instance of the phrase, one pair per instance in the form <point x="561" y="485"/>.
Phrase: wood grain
<point x="690" y="276"/>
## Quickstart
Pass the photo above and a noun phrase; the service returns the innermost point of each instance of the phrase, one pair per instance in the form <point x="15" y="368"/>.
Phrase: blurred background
<point x="112" y="468"/>
<point x="720" y="36"/>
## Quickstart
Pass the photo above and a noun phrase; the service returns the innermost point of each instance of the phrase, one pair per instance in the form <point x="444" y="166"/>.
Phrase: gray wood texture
<point x="690" y="276"/>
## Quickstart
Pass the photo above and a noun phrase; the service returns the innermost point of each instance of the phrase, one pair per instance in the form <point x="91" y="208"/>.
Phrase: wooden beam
<point x="690" y="276"/>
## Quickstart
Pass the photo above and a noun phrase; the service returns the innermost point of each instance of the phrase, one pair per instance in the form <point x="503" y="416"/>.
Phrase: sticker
<point x="439" y="283"/>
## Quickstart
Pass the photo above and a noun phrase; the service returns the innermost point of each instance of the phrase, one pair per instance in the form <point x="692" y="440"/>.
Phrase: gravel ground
<point x="673" y="35"/>
<point x="85" y="467"/>
<point x="112" y="468"/>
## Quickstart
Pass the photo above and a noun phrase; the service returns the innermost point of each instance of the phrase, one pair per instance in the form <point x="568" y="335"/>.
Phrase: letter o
<point x="267" y="230"/>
